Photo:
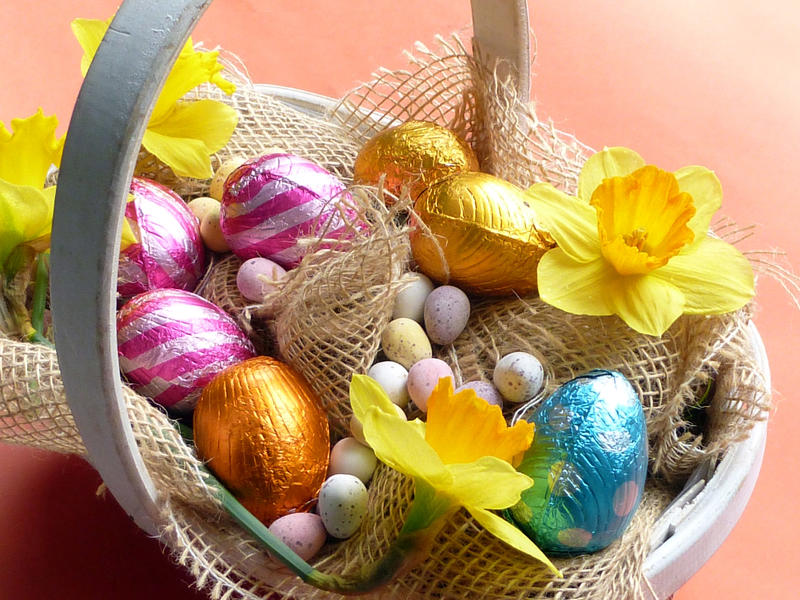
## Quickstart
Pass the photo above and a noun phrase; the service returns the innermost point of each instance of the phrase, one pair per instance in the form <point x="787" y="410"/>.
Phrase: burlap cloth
<point x="327" y="323"/>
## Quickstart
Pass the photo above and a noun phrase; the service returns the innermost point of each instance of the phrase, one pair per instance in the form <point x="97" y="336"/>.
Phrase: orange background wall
<point x="715" y="83"/>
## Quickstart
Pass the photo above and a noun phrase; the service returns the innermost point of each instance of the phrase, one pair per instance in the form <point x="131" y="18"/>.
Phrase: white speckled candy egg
<point x="518" y="376"/>
<point x="342" y="504"/>
<point x="392" y="377"/>
<point x="357" y="429"/>
<point x="255" y="276"/>
<point x="423" y="377"/>
<point x="410" y="301"/>
<point x="304" y="533"/>
<point x="446" y="314"/>
<point x="404" y="341"/>
<point x="354" y="458"/>
<point x="484" y="390"/>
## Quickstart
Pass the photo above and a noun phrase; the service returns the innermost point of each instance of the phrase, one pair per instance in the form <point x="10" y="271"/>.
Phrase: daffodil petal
<point x="714" y="277"/>
<point x="706" y="190"/>
<point x="27" y="154"/>
<point x="189" y="135"/>
<point x="469" y="483"/>
<point x="647" y="304"/>
<point x="512" y="536"/>
<point x="365" y="393"/>
<point x="571" y="223"/>
<point x="609" y="162"/>
<point x="26" y="214"/>
<point x="400" y="447"/>
<point x="191" y="69"/>
<point x="577" y="288"/>
<point x="89" y="33"/>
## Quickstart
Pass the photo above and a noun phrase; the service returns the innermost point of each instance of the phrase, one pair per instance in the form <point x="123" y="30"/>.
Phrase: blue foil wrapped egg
<point x="588" y="461"/>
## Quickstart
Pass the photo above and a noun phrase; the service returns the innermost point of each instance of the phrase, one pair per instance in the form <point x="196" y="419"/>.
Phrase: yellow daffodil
<point x="181" y="134"/>
<point x="462" y="457"/>
<point x="635" y="243"/>
<point x="26" y="207"/>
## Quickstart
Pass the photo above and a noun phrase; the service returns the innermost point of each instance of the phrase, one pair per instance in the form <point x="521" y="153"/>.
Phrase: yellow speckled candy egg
<point x="404" y="341"/>
<point x="415" y="153"/>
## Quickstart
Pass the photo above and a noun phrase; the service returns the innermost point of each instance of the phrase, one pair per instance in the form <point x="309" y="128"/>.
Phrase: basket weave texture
<point x="327" y="321"/>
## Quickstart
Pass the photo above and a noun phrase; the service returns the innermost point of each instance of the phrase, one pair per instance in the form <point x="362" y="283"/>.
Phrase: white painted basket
<point x="99" y="156"/>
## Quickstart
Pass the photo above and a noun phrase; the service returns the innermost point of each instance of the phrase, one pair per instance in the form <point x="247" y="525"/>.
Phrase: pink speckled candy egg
<point x="171" y="343"/>
<point x="169" y="252"/>
<point x="272" y="201"/>
<point x="303" y="532"/>
<point x="256" y="278"/>
<point x="423" y="377"/>
<point x="484" y="390"/>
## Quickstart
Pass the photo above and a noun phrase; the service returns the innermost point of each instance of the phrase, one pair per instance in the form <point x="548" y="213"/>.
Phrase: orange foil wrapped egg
<point x="416" y="154"/>
<point x="265" y="436"/>
<point x="482" y="235"/>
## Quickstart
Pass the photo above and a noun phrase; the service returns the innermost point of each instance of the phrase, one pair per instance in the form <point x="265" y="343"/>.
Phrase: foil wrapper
<point x="588" y="461"/>
<point x="171" y="343"/>
<point x="271" y="202"/>
<point x="169" y="252"/>
<point x="478" y="233"/>
<point x="416" y="154"/>
<point x="265" y="435"/>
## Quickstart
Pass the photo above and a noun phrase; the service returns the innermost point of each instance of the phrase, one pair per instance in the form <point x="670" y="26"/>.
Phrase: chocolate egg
<point x="416" y="154"/>
<point x="171" y="343"/>
<point x="486" y="232"/>
<point x="588" y="461"/>
<point x="273" y="201"/>
<point x="168" y="252"/>
<point x="265" y="436"/>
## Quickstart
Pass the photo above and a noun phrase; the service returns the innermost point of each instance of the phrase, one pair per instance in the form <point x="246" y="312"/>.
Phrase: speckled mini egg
<point x="271" y="202"/>
<point x="404" y="341"/>
<point x="352" y="457"/>
<point x="342" y="504"/>
<point x="423" y="377"/>
<point x="446" y="314"/>
<point x="392" y="377"/>
<point x="255" y="278"/>
<point x="410" y="300"/>
<point x="303" y="532"/>
<point x="518" y="376"/>
<point x="588" y="461"/>
<point x="357" y="429"/>
<point x="484" y="390"/>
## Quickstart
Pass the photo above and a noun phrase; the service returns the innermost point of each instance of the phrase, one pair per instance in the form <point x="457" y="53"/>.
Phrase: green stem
<point x="423" y="522"/>
<point x="41" y="283"/>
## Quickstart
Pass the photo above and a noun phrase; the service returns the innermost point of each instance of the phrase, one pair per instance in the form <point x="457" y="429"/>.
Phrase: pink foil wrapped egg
<point x="169" y="252"/>
<point x="272" y="201"/>
<point x="171" y="343"/>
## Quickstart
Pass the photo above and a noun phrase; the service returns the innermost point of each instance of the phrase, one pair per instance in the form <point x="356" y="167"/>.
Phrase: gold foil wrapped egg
<point x="265" y="436"/>
<point x="416" y="154"/>
<point x="482" y="235"/>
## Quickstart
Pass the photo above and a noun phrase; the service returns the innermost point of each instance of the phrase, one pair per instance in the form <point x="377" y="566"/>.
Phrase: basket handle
<point x="102" y="144"/>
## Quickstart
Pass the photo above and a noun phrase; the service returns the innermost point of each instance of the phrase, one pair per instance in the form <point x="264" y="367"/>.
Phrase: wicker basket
<point x="101" y="149"/>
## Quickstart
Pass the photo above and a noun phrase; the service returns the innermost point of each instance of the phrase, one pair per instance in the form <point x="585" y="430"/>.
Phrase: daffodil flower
<point x="26" y="215"/>
<point x="182" y="134"/>
<point x="462" y="457"/>
<point x="635" y="243"/>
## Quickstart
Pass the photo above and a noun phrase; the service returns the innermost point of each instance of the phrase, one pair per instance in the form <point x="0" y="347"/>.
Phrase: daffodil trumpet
<point x="463" y="457"/>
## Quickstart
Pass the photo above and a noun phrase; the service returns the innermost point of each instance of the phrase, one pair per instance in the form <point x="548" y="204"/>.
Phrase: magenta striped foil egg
<point x="171" y="343"/>
<point x="169" y="252"/>
<point x="272" y="201"/>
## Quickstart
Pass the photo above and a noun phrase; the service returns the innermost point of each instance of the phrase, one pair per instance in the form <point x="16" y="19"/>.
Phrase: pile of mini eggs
<point x="424" y="314"/>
